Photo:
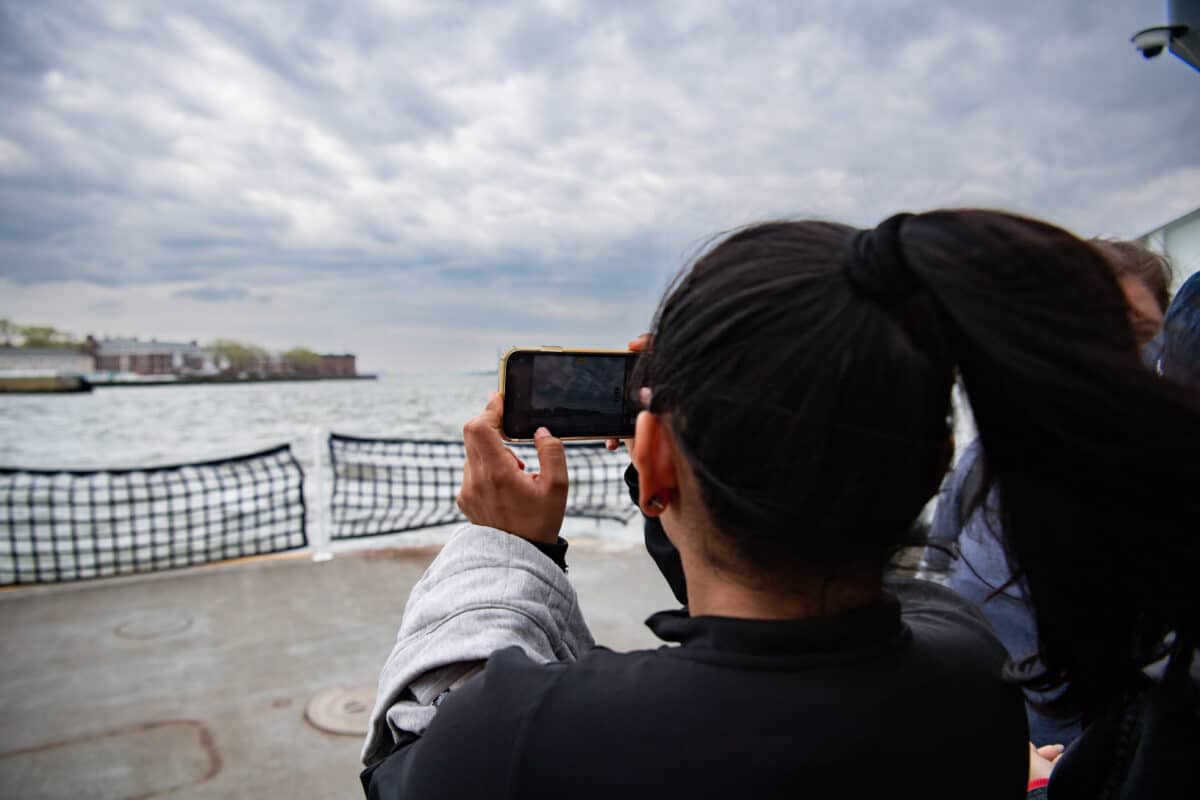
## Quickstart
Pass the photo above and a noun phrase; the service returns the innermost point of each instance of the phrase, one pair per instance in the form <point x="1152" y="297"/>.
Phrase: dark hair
<point x="1134" y="260"/>
<point x="813" y="409"/>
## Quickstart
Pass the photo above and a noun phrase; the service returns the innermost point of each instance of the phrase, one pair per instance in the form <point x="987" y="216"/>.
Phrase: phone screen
<point x="571" y="394"/>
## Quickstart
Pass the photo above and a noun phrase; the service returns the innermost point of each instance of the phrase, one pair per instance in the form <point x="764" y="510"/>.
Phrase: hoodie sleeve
<point x="487" y="590"/>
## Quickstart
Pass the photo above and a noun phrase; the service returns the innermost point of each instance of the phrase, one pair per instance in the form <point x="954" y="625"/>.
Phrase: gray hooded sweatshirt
<point x="487" y="590"/>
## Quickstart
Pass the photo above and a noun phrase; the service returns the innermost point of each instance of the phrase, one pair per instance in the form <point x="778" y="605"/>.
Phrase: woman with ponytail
<point x="797" y="393"/>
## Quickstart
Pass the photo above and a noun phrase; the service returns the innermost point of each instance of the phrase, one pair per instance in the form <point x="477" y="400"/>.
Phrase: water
<point x="146" y="426"/>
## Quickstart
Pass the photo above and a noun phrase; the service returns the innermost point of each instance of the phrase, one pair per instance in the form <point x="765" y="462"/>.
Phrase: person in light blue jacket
<point x="980" y="574"/>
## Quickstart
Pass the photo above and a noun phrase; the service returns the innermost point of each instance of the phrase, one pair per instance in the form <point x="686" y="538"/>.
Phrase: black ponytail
<point x="1096" y="460"/>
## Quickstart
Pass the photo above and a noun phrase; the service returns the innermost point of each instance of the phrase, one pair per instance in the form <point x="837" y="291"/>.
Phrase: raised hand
<point x="497" y="492"/>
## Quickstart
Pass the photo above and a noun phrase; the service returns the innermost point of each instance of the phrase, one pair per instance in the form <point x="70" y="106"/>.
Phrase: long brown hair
<point x="1134" y="260"/>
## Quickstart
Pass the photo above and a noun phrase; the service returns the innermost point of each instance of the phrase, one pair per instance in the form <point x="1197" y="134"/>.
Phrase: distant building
<point x="187" y="359"/>
<point x="338" y="366"/>
<point x="1178" y="240"/>
<point x="58" y="359"/>
<point x="152" y="357"/>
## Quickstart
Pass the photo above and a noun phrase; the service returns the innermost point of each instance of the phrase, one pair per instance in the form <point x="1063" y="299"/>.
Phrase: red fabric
<point x="1037" y="784"/>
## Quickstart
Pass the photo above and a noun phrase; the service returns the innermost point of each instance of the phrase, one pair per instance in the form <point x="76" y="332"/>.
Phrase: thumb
<point x="1050" y="751"/>
<point x="552" y="460"/>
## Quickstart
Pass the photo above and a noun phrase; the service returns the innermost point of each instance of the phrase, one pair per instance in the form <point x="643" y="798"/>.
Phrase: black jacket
<point x="903" y="699"/>
<point x="1146" y="747"/>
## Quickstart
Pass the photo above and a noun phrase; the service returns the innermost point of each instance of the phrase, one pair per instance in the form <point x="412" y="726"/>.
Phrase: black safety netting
<point x="63" y="525"/>
<point x="393" y="485"/>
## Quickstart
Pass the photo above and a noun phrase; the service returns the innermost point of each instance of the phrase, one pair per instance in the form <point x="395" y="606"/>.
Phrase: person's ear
<point x="656" y="459"/>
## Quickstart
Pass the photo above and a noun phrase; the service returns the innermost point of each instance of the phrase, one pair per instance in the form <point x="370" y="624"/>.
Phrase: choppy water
<point x="144" y="426"/>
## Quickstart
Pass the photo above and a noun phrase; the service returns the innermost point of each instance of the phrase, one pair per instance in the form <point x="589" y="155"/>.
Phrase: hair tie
<point x="875" y="263"/>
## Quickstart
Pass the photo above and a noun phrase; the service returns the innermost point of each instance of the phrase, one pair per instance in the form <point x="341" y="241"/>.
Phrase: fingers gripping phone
<point x="574" y="393"/>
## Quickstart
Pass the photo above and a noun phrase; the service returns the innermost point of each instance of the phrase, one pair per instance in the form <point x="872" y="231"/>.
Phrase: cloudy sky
<point x="425" y="184"/>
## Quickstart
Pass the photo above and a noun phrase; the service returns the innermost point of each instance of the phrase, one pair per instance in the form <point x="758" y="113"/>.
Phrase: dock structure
<point x="198" y="683"/>
<point x="45" y="382"/>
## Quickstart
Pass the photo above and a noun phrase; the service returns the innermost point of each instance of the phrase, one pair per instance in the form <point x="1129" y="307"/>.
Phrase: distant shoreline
<point x="218" y="380"/>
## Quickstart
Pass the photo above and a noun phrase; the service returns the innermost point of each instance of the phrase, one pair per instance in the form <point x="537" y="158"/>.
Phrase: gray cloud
<point x="489" y="166"/>
<point x="214" y="294"/>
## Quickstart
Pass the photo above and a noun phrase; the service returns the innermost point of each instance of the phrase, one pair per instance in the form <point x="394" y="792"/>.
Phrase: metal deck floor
<point x="194" y="683"/>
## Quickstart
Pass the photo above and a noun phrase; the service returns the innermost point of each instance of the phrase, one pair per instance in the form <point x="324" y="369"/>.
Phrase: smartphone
<point x="574" y="393"/>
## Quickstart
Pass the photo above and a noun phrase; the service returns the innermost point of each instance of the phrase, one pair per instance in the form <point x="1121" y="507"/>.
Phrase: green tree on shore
<point x="238" y="356"/>
<point x="35" y="336"/>
<point x="302" y="361"/>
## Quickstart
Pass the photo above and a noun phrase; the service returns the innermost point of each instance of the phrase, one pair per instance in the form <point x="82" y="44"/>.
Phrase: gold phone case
<point x="552" y="349"/>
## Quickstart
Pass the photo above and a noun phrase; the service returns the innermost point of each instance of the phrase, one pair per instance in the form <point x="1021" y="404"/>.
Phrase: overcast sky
<point x="425" y="184"/>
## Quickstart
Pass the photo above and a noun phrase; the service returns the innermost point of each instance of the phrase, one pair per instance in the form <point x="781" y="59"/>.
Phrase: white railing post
<point x="320" y="538"/>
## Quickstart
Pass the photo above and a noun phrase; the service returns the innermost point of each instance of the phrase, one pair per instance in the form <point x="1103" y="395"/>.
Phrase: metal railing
<point x="66" y="525"/>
